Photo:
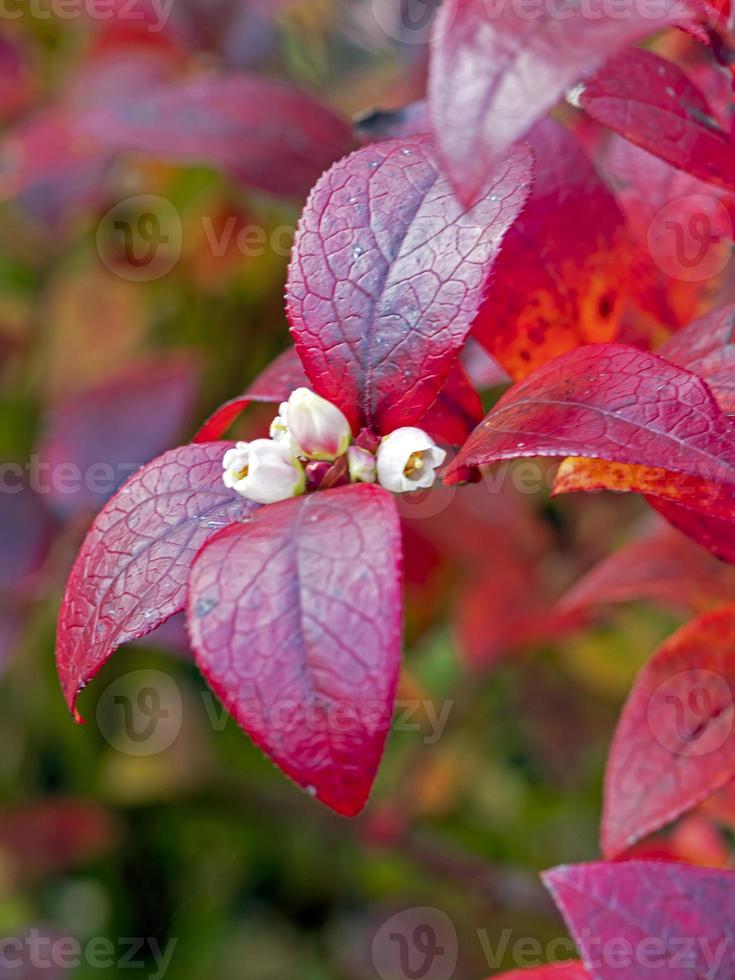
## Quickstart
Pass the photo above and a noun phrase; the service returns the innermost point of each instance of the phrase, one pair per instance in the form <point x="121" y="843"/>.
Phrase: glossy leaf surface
<point x="130" y="574"/>
<point x="295" y="617"/>
<point x="388" y="273"/>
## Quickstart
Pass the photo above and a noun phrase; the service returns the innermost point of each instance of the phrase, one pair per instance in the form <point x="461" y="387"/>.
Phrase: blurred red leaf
<point x="295" y="617"/>
<point x="561" y="277"/>
<point x="274" y="384"/>
<point x="50" y="168"/>
<point x="387" y="275"/>
<point x="101" y="436"/>
<point x="46" y="837"/>
<point x="663" y="566"/>
<point x="16" y="78"/>
<point x="682" y="231"/>
<point x="694" y="840"/>
<point x="651" y="102"/>
<point x="716" y="534"/>
<point x="707" y="347"/>
<point x="675" y="742"/>
<point x="611" y="402"/>
<point x="265" y="134"/>
<point x="495" y="71"/>
<point x="670" y="919"/>
<point x="505" y="610"/>
<point x="130" y="574"/>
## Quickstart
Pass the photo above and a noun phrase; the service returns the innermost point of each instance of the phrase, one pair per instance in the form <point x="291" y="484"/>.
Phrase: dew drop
<point x="203" y="607"/>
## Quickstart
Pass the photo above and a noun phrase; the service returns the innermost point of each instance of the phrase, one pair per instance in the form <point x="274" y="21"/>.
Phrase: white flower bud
<point x="407" y="459"/>
<point x="361" y="465"/>
<point x="318" y="427"/>
<point x="279" y="431"/>
<point x="263" y="471"/>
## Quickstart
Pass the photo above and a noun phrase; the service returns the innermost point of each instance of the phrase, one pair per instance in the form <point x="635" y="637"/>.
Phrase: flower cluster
<point x="311" y="447"/>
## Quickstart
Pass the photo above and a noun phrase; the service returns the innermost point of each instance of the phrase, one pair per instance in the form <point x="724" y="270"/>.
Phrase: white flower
<point x="361" y="465"/>
<point x="263" y="471"/>
<point x="279" y="431"/>
<point x="318" y="427"/>
<point x="407" y="459"/>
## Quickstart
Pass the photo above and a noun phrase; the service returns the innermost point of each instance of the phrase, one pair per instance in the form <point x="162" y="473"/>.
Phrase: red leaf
<point x="130" y="574"/>
<point x="501" y="611"/>
<point x="651" y="102"/>
<point x="451" y="418"/>
<point x="274" y="384"/>
<point x="387" y="274"/>
<point x="45" y="837"/>
<point x="682" y="231"/>
<point x="649" y="920"/>
<point x="611" y="402"/>
<point x="703" y="509"/>
<point x="561" y="277"/>
<point x="45" y="164"/>
<point x="16" y="79"/>
<point x="106" y="433"/>
<point x="263" y="133"/>
<point x="675" y="742"/>
<point x="557" y="971"/>
<point x="456" y="411"/>
<point x="662" y="566"/>
<point x="496" y="70"/>
<point x="707" y="348"/>
<point x="295" y="618"/>
<point x="716" y="534"/>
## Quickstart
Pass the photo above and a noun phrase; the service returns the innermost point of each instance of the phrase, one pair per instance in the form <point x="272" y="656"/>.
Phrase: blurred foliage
<point x="202" y="841"/>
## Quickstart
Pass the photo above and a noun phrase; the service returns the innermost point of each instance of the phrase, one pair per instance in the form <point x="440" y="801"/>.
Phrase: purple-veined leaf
<point x="130" y="574"/>
<point x="388" y="273"/>
<point x="649" y="920"/>
<point x="295" y="617"/>
<point x="611" y="402"/>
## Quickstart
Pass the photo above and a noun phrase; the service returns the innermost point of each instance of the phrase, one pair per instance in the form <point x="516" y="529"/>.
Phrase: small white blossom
<point x="263" y="471"/>
<point x="279" y="430"/>
<point x="407" y="459"/>
<point x="318" y="428"/>
<point x="361" y="464"/>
